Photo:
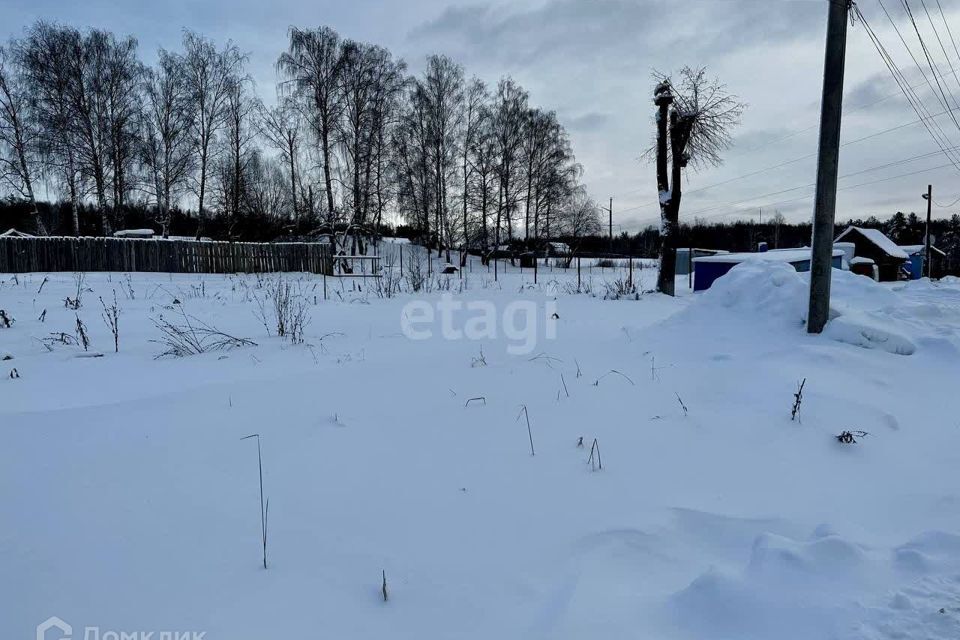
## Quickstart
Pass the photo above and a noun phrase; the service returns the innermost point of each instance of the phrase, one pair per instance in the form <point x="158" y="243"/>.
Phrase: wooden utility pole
<point x="821" y="263"/>
<point x="928" y="196"/>
<point x="609" y="211"/>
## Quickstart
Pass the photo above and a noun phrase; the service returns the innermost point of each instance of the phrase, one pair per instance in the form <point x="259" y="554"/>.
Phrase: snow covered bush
<point x="620" y="289"/>
<point x="111" y="317"/>
<point x="388" y="284"/>
<point x="76" y="301"/>
<point x="584" y="286"/>
<point x="416" y="278"/>
<point x="83" y="338"/>
<point x="191" y="336"/>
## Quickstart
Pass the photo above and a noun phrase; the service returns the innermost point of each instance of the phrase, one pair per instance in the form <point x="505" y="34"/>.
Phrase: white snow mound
<point x="863" y="313"/>
<point x="760" y="289"/>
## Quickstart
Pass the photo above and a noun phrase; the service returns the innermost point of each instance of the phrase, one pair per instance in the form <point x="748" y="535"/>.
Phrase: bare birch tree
<point x="475" y="97"/>
<point x="281" y="127"/>
<point x="19" y="134"/>
<point x="210" y="76"/>
<point x="509" y="112"/>
<point x="43" y="54"/>
<point x="167" y="150"/>
<point x="443" y="85"/>
<point x="312" y="68"/>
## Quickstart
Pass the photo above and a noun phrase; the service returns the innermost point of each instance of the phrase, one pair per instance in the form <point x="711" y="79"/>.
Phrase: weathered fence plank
<point x="23" y="255"/>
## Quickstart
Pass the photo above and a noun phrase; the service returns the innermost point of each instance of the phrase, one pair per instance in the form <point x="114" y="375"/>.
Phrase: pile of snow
<point x="761" y="289"/>
<point x="819" y="571"/>
<point x="863" y="312"/>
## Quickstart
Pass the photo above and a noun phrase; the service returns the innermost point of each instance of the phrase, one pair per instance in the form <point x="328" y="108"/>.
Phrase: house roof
<point x="774" y="255"/>
<point x="707" y="251"/>
<point x="134" y="233"/>
<point x="914" y="249"/>
<point x="877" y="238"/>
<point x="13" y="233"/>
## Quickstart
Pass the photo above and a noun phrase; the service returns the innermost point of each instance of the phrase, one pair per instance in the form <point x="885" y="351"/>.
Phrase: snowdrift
<point x="863" y="313"/>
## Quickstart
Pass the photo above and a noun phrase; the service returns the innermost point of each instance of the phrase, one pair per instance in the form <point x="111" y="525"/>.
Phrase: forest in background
<point x="351" y="140"/>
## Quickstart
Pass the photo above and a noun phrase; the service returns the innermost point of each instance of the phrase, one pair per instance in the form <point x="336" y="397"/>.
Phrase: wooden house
<point x="891" y="260"/>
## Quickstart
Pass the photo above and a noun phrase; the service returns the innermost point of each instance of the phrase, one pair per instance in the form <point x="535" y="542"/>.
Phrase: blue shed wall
<point x="706" y="273"/>
<point x="916" y="266"/>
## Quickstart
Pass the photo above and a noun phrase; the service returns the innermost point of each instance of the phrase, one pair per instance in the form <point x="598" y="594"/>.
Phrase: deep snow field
<point x="129" y="502"/>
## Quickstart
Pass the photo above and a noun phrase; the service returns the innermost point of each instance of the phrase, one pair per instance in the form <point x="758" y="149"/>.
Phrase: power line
<point x="764" y="145"/>
<point x="935" y="131"/>
<point x="806" y="157"/>
<point x="933" y="128"/>
<point x="931" y="63"/>
<point x="905" y="46"/>
<point x="912" y="97"/>
<point x="845" y="111"/>
<point x="946" y="206"/>
<point x="949" y="32"/>
<point x="812" y="155"/>
<point x="806" y="196"/>
<point x="806" y="186"/>
<point x="940" y="41"/>
<point x="942" y="140"/>
<point x="924" y="116"/>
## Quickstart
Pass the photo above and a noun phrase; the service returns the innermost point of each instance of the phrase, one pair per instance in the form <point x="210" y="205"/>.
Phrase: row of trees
<point x="350" y="139"/>
<point x="904" y="229"/>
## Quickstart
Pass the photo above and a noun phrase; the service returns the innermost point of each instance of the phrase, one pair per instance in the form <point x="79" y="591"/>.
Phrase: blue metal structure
<point x="707" y="270"/>
<point x="915" y="266"/>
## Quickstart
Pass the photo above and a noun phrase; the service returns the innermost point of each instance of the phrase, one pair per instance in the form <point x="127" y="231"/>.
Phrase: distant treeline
<point x="248" y="226"/>
<point x="351" y="137"/>
<point x="904" y="229"/>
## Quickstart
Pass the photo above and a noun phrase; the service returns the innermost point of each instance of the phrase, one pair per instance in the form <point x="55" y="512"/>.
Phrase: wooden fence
<point x="22" y="255"/>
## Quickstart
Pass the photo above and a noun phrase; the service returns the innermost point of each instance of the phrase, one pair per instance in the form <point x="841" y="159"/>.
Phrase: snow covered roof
<point x="914" y="249"/>
<point x="13" y="233"/>
<point x="774" y="255"/>
<point x="185" y="238"/>
<point x="862" y="260"/>
<point x="133" y="233"/>
<point x="878" y="238"/>
<point x="699" y="250"/>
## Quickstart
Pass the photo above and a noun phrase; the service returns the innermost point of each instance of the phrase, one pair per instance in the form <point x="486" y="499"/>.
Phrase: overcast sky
<point x="591" y="62"/>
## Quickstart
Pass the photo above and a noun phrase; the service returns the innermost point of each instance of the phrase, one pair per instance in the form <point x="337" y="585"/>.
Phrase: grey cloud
<point x="759" y="137"/>
<point x="586" y="122"/>
<point x="586" y="28"/>
<point x="571" y="28"/>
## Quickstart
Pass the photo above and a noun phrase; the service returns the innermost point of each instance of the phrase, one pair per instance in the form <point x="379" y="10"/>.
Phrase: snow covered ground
<point x="129" y="502"/>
